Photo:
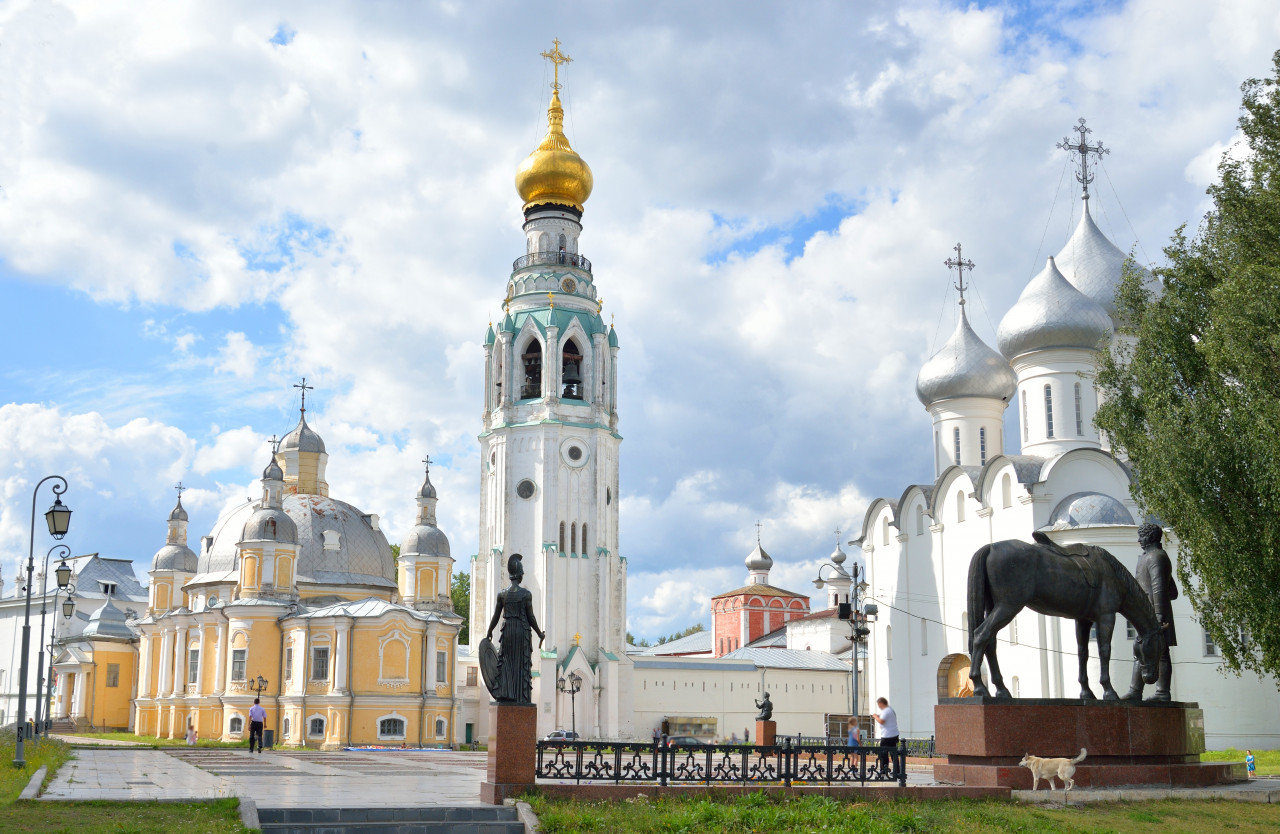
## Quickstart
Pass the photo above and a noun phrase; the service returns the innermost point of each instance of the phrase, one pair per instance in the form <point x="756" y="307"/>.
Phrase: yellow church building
<point x="297" y="598"/>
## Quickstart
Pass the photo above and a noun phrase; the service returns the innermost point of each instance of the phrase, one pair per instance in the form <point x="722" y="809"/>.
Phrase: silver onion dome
<point x="759" y="560"/>
<point x="965" y="367"/>
<point x="1051" y="313"/>
<point x="177" y="557"/>
<point x="1092" y="263"/>
<point x="428" y="489"/>
<point x="425" y="540"/>
<point x="273" y="472"/>
<point x="1084" y="509"/>
<point x="269" y="524"/>
<point x="179" y="512"/>
<point x="303" y="438"/>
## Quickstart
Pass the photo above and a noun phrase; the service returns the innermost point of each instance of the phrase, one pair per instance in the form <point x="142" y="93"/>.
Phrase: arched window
<point x="439" y="728"/>
<point x="543" y="242"/>
<point x="284" y="732"/>
<point x="235" y="725"/>
<point x="982" y="446"/>
<point x="315" y="727"/>
<point x="271" y="528"/>
<point x="532" y="358"/>
<point x="564" y="242"/>
<point x="1079" y="414"/>
<point x="585" y="548"/>
<point x="562" y="550"/>
<point x="1006" y="491"/>
<point x="1048" y="411"/>
<point x="1016" y="689"/>
<point x="888" y="642"/>
<point x="571" y="371"/>
<point x="391" y="728"/>
<point x="1026" y="431"/>
<point x="955" y="440"/>
<point x="573" y="537"/>
<point x="960" y="505"/>
<point x="919" y="519"/>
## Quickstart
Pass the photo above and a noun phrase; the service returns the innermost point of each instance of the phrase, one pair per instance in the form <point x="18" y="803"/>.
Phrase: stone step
<point x="479" y="819"/>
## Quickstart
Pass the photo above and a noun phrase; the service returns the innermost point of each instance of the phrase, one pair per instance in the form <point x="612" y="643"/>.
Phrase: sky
<point x="201" y="203"/>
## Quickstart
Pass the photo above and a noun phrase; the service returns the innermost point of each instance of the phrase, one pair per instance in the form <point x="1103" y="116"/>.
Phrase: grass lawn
<point x="220" y="816"/>
<point x="161" y="742"/>
<point x="49" y="752"/>
<point x="758" y="813"/>
<point x="1267" y="761"/>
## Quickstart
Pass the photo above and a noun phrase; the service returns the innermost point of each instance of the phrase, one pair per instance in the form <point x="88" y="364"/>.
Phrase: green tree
<point x="693" y="629"/>
<point x="460" y="595"/>
<point x="1193" y="398"/>
<point x="638" y="642"/>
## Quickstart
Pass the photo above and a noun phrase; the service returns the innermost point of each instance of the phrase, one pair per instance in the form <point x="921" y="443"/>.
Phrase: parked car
<point x="562" y="735"/>
<point x="684" y="741"/>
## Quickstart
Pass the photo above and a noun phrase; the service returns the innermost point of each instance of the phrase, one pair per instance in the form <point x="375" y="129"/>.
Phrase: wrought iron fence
<point x="918" y="747"/>
<point x="787" y="764"/>
<point x="552" y="259"/>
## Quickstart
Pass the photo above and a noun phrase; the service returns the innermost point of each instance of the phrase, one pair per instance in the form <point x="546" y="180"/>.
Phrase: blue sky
<point x="201" y="203"/>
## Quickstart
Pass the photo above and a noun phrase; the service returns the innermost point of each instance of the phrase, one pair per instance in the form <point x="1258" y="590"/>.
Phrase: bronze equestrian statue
<point x="1080" y="582"/>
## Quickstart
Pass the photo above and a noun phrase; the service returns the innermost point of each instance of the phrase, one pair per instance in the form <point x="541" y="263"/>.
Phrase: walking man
<point x="257" y="719"/>
<point x="888" y="721"/>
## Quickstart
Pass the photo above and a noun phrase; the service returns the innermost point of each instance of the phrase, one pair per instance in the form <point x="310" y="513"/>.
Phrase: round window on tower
<point x="574" y="453"/>
<point x="525" y="488"/>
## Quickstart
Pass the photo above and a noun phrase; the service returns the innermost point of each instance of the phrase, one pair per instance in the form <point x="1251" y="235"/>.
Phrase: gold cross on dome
<point x="556" y="57"/>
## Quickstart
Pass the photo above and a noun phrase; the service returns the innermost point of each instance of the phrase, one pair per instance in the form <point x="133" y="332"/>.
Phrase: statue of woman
<point x="512" y="681"/>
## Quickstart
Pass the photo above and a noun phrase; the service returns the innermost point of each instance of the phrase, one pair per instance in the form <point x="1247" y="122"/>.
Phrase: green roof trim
<point x="609" y="655"/>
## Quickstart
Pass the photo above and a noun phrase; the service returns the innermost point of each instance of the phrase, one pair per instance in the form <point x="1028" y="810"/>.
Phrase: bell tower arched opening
<point x="571" y="371"/>
<point x="532" y="360"/>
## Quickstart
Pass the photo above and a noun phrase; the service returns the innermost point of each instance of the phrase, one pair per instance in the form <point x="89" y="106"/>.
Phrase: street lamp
<point x="571" y="684"/>
<point x="259" y="685"/>
<point x="68" y="608"/>
<point x="44" y="584"/>
<point x="58" y="517"/>
<point x="852" y="612"/>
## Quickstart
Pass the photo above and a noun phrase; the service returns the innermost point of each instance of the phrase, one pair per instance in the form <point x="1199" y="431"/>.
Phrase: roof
<point x="371" y="607"/>
<point x="761" y="590"/>
<point x="776" y="639"/>
<point x="788" y="659"/>
<point x="96" y="569"/>
<point x="824" y="614"/>
<point x="108" y="622"/>
<point x="699" y="642"/>
<point x="708" y="664"/>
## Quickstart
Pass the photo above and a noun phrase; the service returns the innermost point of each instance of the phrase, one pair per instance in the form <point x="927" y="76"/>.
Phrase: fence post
<point x="663" y="752"/>
<point x="786" y="761"/>
<point x="902" y="768"/>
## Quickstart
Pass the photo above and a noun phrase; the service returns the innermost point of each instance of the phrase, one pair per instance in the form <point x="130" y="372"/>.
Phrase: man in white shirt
<point x="888" y="721"/>
<point x="257" y="720"/>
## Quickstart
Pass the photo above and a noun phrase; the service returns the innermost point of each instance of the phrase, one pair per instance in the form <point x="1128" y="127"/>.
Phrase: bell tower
<point x="549" y="447"/>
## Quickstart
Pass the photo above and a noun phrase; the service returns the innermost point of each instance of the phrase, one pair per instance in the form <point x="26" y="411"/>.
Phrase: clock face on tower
<point x="569" y="285"/>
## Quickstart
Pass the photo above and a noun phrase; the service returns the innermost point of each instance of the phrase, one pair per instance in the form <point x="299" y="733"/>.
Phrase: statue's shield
<point x="489" y="664"/>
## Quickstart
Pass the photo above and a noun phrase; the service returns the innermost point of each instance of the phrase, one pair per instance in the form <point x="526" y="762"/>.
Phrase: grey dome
<point x="179" y="513"/>
<point x="362" y="555"/>
<point x="1083" y="509"/>
<point x="267" y="524"/>
<point x="303" y="438"/>
<point x="108" y="621"/>
<point x="273" y="472"/>
<point x="838" y="556"/>
<point x="965" y="367"/>
<point x="428" y="489"/>
<point x="759" y="560"/>
<point x="1092" y="263"/>
<point x="1051" y="313"/>
<point x="425" y="540"/>
<point x="177" y="557"/>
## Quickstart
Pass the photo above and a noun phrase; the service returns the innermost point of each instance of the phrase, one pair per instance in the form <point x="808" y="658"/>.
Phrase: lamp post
<point x="259" y="685"/>
<point x="571" y="683"/>
<point x="58" y="518"/>
<point x="851" y="611"/>
<point x="68" y="608"/>
<point x="44" y="585"/>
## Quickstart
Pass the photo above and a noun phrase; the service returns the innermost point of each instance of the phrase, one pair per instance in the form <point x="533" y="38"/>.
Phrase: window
<point x="1017" y="687"/>
<point x="562" y="550"/>
<point x="573" y="537"/>
<point x="439" y="728"/>
<point x="1048" y="411"/>
<point x="236" y="724"/>
<point x="113" y="674"/>
<point x="532" y="387"/>
<point x="442" y="671"/>
<point x="585" y="551"/>
<point x="1210" y="645"/>
<point x="238" y="664"/>
<point x="1026" y="432"/>
<point x="193" y="666"/>
<point x="320" y="663"/>
<point x="391" y="728"/>
<point x="284" y="732"/>
<point x="1006" y="491"/>
<point x="924" y="637"/>
<point x="955" y="437"/>
<point x="919" y="519"/>
<point x="288" y="663"/>
<point x="1079" y="414"/>
<point x="982" y="446"/>
<point x="571" y="371"/>
<point x="108" y="588"/>
<point x="315" y="727"/>
<point x="960" y="505"/>
<point x="472" y="676"/>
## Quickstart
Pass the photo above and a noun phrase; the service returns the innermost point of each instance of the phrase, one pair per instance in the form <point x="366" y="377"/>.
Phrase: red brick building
<point x="755" y="609"/>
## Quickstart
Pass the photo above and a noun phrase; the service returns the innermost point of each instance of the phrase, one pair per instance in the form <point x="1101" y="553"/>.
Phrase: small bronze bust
<point x="766" y="709"/>
<point x="508" y="672"/>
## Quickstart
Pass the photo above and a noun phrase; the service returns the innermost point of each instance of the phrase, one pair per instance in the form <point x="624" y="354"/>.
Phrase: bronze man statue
<point x="508" y="674"/>
<point x="1154" y="573"/>
<point x="766" y="709"/>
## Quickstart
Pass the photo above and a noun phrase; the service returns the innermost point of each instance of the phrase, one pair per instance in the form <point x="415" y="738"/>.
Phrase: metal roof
<point x="697" y="643"/>
<point x="788" y="659"/>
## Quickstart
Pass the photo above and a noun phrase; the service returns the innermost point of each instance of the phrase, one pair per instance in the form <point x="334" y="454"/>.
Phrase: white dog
<point x="1042" y="768"/>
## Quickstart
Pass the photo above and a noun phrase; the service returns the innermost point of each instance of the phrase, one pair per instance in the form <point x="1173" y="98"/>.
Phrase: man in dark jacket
<point x="1154" y="573"/>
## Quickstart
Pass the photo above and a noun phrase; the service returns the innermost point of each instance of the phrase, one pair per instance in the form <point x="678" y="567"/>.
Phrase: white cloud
<point x="231" y="449"/>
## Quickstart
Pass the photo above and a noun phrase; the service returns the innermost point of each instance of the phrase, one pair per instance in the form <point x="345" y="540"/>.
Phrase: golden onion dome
<point x="554" y="173"/>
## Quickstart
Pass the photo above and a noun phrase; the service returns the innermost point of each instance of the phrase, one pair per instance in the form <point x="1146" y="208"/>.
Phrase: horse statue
<point x="1080" y="582"/>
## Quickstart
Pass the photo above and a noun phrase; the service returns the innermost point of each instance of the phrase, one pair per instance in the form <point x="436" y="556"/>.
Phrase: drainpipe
<point x="351" y="701"/>
<point x="226" y="658"/>
<point x="306" y="681"/>
<point x="280" y="674"/>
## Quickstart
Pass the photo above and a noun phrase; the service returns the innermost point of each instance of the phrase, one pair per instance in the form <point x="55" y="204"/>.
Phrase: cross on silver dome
<point x="181" y="489"/>
<point x="1083" y="148"/>
<point x="960" y="264"/>
<point x="305" y="388"/>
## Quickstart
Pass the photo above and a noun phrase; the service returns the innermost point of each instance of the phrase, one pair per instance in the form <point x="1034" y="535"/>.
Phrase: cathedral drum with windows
<point x="549" y="450"/>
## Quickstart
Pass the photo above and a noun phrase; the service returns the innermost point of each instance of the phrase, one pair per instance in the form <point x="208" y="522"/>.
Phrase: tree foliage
<point x="1193" y="393"/>
<point x="460" y="595"/>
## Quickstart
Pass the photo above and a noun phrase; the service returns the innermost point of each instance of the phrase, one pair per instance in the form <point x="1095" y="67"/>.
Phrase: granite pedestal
<point x="1128" y="742"/>
<point x="513" y="752"/>
<point x="766" y="733"/>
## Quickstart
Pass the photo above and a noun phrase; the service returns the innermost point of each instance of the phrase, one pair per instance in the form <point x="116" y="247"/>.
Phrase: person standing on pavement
<point x="888" y="721"/>
<point x="257" y="719"/>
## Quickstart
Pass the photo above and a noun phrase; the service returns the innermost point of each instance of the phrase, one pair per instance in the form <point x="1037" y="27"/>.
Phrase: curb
<point x="524" y="812"/>
<point x="32" y="790"/>
<point x="249" y="814"/>
<point x="1141" y="794"/>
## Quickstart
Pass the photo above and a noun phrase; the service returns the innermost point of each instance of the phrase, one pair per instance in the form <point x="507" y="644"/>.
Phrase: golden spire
<point x="554" y="173"/>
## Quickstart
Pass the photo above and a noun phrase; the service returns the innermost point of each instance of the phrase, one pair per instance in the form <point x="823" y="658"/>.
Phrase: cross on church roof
<point x="274" y="442"/>
<point x="960" y="264"/>
<point x="1083" y="148"/>
<point x="427" y="462"/>
<point x="305" y="388"/>
<point x="556" y="57"/>
<point x="758" y="526"/>
<point x="181" y="489"/>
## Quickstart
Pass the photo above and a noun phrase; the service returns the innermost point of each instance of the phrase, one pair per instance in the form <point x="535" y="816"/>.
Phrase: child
<point x="191" y="734"/>
<point x="1249" y="763"/>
